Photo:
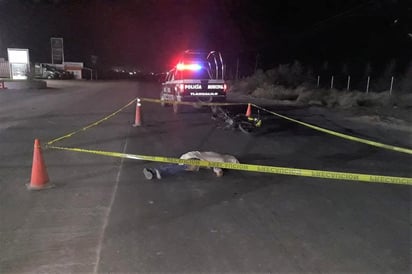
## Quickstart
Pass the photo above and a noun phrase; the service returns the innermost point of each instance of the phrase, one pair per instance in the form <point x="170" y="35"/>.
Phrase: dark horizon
<point x="147" y="33"/>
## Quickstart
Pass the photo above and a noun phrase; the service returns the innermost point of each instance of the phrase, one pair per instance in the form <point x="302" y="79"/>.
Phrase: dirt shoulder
<point x="392" y="114"/>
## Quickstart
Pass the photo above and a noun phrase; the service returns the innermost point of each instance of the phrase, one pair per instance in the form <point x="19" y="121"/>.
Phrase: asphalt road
<point x="104" y="216"/>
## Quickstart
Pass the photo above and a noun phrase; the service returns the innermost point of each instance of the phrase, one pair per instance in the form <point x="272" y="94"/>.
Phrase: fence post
<point x="331" y="82"/>
<point x="348" y="84"/>
<point x="390" y="90"/>
<point x="367" y="84"/>
<point x="317" y="85"/>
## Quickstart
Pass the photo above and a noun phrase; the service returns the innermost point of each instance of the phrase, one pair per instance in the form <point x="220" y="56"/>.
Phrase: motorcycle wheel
<point x="246" y="127"/>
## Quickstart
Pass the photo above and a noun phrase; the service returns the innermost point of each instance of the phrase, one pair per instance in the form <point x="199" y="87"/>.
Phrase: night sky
<point x="147" y="33"/>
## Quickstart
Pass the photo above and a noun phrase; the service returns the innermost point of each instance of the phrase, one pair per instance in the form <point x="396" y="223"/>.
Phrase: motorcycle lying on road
<point x="227" y="120"/>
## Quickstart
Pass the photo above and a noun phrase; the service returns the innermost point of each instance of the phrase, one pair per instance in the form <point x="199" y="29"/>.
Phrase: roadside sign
<point x="19" y="63"/>
<point x="57" y="52"/>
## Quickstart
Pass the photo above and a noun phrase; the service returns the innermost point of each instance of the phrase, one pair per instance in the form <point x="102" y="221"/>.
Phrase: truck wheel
<point x="175" y="107"/>
<point x="162" y="100"/>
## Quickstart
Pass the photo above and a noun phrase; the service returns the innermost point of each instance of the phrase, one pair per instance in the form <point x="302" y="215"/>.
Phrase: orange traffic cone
<point x="39" y="177"/>
<point x="248" y="111"/>
<point x="138" y="118"/>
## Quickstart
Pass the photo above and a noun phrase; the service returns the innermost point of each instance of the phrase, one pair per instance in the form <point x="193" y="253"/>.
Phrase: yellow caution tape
<point x="92" y="124"/>
<point x="334" y="133"/>
<point x="341" y="135"/>
<point x="199" y="103"/>
<point x="127" y="105"/>
<point x="254" y="168"/>
<point x="331" y="132"/>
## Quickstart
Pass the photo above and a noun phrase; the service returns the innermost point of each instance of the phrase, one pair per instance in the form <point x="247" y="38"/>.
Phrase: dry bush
<point x="249" y="84"/>
<point x="403" y="100"/>
<point x="374" y="99"/>
<point x="348" y="99"/>
<point x="313" y="97"/>
<point x="275" y="93"/>
<point x="290" y="76"/>
<point x="287" y="82"/>
<point x="331" y="98"/>
<point x="406" y="81"/>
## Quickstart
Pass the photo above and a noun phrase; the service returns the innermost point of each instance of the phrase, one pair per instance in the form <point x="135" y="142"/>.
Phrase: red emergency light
<point x="183" y="66"/>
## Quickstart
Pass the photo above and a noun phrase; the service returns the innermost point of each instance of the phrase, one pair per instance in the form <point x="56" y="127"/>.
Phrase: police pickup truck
<point x="197" y="77"/>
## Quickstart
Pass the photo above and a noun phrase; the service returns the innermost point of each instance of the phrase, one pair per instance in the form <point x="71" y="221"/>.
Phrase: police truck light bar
<point x="182" y="66"/>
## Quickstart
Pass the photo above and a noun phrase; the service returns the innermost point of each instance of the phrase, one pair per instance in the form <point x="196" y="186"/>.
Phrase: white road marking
<point x="107" y="215"/>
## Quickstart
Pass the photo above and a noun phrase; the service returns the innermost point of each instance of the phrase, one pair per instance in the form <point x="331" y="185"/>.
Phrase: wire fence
<point x="348" y="83"/>
<point x="364" y="77"/>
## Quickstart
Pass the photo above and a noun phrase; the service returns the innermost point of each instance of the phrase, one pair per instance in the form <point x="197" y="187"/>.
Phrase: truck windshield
<point x="192" y="74"/>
